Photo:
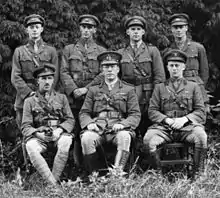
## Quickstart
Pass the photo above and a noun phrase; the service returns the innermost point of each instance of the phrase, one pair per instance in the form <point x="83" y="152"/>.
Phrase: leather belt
<point x="110" y="114"/>
<point x="190" y="73"/>
<point x="139" y="81"/>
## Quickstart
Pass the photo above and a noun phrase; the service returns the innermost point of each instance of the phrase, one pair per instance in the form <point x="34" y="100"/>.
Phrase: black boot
<point x="199" y="160"/>
<point x="92" y="162"/>
<point x="155" y="160"/>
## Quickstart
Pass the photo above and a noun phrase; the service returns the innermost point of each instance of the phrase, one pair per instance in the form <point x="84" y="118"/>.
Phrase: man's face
<point x="87" y="31"/>
<point x="45" y="83"/>
<point x="34" y="30"/>
<point x="110" y="71"/>
<point x="176" y="69"/>
<point x="135" y="33"/>
<point x="179" y="31"/>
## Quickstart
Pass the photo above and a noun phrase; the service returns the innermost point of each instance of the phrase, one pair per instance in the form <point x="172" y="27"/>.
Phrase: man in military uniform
<point x="28" y="57"/>
<point x="110" y="113"/>
<point x="47" y="120"/>
<point x="142" y="65"/>
<point x="197" y="69"/>
<point x="177" y="111"/>
<point x="80" y="68"/>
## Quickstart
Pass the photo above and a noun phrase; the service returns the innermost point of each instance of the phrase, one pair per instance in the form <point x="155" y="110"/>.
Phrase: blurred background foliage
<point x="61" y="29"/>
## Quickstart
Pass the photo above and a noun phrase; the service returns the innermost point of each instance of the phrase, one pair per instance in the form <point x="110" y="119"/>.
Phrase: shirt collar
<point x="138" y="44"/>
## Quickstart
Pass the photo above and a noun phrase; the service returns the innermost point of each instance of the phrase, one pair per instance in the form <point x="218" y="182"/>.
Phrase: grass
<point x="149" y="184"/>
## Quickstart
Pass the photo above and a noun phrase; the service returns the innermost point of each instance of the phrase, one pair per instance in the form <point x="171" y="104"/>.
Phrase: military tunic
<point x="105" y="108"/>
<point x="52" y="113"/>
<point x="167" y="102"/>
<point x="142" y="69"/>
<point x="79" y="68"/>
<point x="24" y="62"/>
<point x="36" y="115"/>
<point x="197" y="69"/>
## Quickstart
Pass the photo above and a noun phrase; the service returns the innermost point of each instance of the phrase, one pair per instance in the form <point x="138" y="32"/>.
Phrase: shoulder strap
<point x="36" y="63"/>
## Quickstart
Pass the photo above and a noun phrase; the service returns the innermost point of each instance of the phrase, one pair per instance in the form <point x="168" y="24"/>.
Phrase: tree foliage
<point x="61" y="28"/>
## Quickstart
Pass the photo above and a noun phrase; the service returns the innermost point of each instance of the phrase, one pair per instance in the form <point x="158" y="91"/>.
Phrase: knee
<point x="200" y="137"/>
<point x="123" y="140"/>
<point x="88" y="138"/>
<point x="32" y="147"/>
<point x="64" y="143"/>
<point x="124" y="135"/>
<point x="148" y="135"/>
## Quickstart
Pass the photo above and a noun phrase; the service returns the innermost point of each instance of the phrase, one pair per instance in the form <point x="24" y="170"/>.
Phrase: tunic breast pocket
<point x="75" y="63"/>
<point x="192" y="61"/>
<point x="145" y="64"/>
<point x="165" y="104"/>
<point x="38" y="116"/>
<point x="93" y="65"/>
<point x="45" y="57"/>
<point x="127" y="68"/>
<point x="120" y="102"/>
<point x="27" y="63"/>
<point x="100" y="102"/>
<point x="187" y="102"/>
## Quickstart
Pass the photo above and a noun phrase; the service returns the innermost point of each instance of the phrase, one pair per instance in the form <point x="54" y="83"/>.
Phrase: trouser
<point x="197" y="136"/>
<point x="19" y="114"/>
<point x="91" y="140"/>
<point x="77" y="150"/>
<point x="156" y="137"/>
<point x="144" y="92"/>
<point x="36" y="146"/>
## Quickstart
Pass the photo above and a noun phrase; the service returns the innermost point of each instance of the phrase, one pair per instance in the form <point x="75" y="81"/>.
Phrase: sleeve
<point x="198" y="114"/>
<point x="69" y="121"/>
<point x="54" y="61"/>
<point x="27" y="119"/>
<point x="66" y="79"/>
<point x="203" y="64"/>
<point x="86" y="110"/>
<point x="100" y="77"/>
<point x="154" y="110"/>
<point x="16" y="77"/>
<point x="157" y="67"/>
<point x="133" y="111"/>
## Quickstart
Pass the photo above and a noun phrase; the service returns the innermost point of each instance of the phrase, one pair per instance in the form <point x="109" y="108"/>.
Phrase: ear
<point x="94" y="30"/>
<point x="187" y="27"/>
<point x="143" y="31"/>
<point x="42" y="28"/>
<point x="184" y="66"/>
<point x="128" y="32"/>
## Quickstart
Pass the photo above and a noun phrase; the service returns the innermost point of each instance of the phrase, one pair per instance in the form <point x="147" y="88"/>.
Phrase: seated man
<point x="177" y="111"/>
<point x="110" y="113"/>
<point x="47" y="119"/>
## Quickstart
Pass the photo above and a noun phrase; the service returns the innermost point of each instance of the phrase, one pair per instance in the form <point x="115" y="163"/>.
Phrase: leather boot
<point x="92" y="162"/>
<point x="155" y="160"/>
<point x="124" y="159"/>
<point x="199" y="160"/>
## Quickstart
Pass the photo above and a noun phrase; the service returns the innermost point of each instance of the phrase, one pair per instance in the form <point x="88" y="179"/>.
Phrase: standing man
<point x="177" y="111"/>
<point x="47" y="119"/>
<point x="110" y="113"/>
<point x="80" y="68"/>
<point x="197" y="69"/>
<point x="28" y="57"/>
<point x="142" y="65"/>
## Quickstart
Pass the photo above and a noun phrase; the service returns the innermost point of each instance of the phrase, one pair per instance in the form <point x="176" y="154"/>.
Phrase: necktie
<point x="35" y="47"/>
<point x="135" y="49"/>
